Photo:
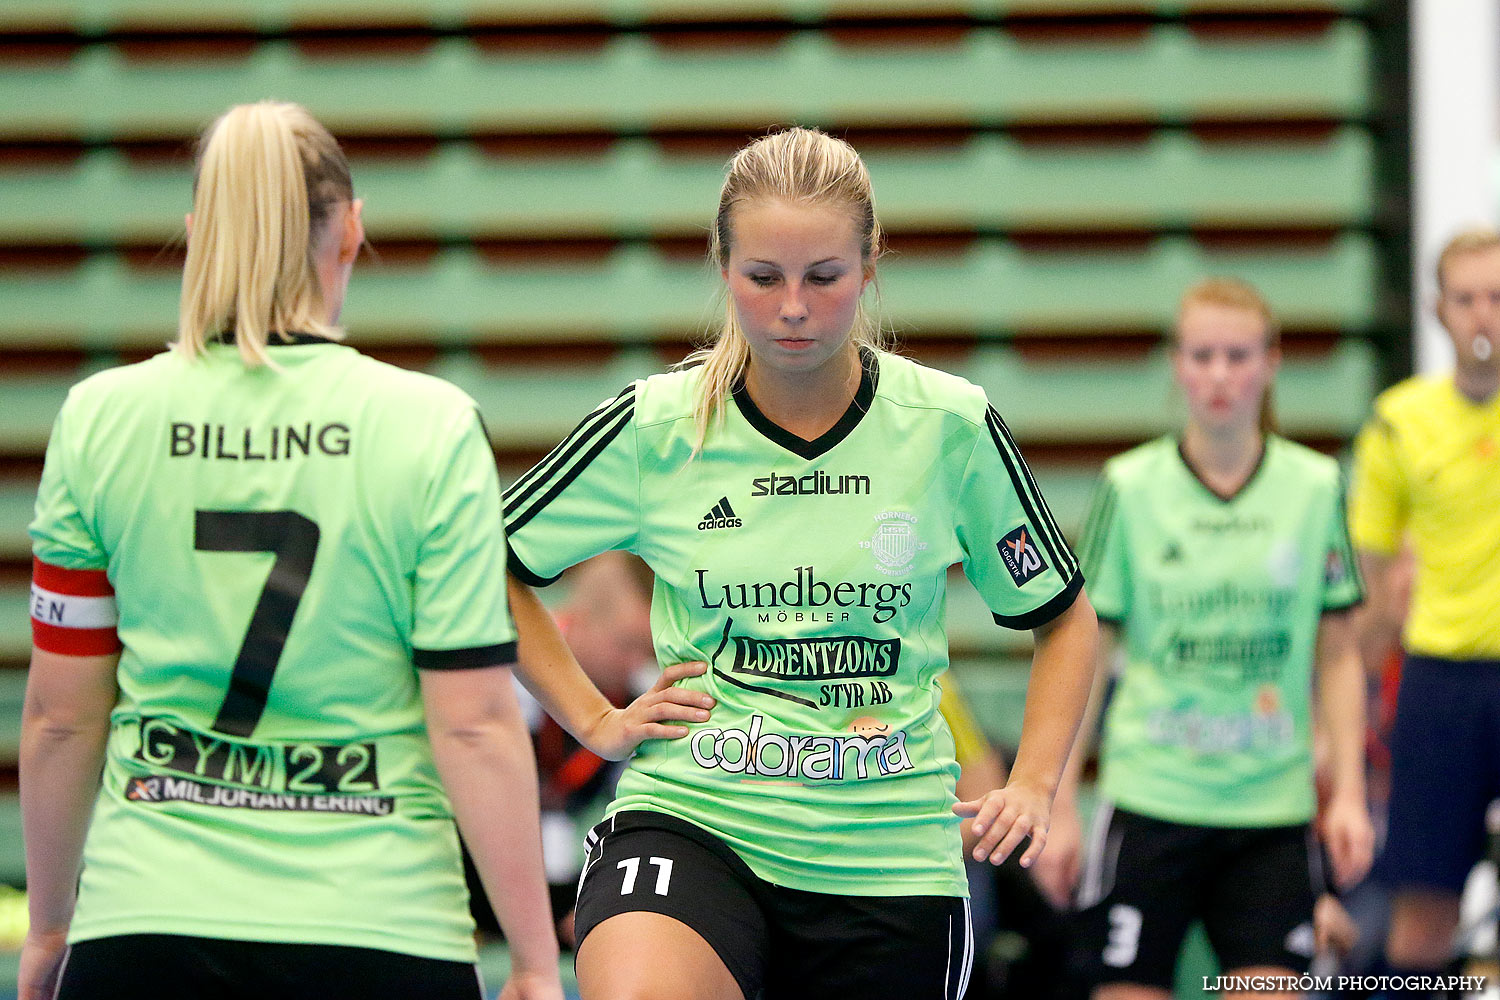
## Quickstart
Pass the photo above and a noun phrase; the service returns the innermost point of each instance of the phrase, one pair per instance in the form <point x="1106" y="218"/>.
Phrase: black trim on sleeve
<point x="1047" y="612"/>
<point x="499" y="655"/>
<point x="1349" y="553"/>
<point x="522" y="572"/>
<point x="1030" y="495"/>
<point x="869" y="378"/>
<point x="595" y="433"/>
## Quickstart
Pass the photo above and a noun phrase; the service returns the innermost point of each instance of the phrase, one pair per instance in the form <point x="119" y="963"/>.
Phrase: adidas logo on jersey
<point x="722" y="516"/>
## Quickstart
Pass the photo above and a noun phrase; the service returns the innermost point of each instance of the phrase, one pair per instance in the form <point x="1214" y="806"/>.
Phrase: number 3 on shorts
<point x="1124" y="936"/>
<point x="632" y="867"/>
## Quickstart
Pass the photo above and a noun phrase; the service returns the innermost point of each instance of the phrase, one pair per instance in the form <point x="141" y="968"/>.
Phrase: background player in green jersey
<point x="242" y="546"/>
<point x="800" y="496"/>
<point x="1221" y="562"/>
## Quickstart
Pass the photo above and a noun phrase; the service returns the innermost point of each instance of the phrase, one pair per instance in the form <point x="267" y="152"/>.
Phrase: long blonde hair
<point x="268" y="176"/>
<point x="1232" y="293"/>
<point x="800" y="166"/>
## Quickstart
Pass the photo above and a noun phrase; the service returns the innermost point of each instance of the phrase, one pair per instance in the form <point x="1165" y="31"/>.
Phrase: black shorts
<point x="1146" y="880"/>
<point x="790" y="943"/>
<point x="1445" y="771"/>
<point x="153" y="966"/>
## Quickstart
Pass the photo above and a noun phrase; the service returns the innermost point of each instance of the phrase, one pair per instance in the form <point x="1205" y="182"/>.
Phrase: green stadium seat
<point x="531" y="406"/>
<point x="87" y="17"/>
<point x="15" y="626"/>
<point x="12" y="695"/>
<point x="630" y="84"/>
<point x="12" y="858"/>
<point x="17" y="499"/>
<point x="1172" y="180"/>
<point x="637" y="295"/>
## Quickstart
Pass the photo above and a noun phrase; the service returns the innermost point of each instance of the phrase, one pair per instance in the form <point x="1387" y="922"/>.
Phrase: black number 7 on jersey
<point x="294" y="540"/>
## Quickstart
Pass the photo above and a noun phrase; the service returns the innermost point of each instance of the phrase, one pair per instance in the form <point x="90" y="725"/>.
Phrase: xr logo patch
<point x="1021" y="556"/>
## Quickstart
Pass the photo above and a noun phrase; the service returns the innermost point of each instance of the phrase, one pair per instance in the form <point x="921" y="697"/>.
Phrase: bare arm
<point x="549" y="671"/>
<point x="483" y="754"/>
<point x="64" y="729"/>
<point x="1062" y="671"/>
<point x="1341" y="715"/>
<point x="1058" y="868"/>
<point x="1377" y="622"/>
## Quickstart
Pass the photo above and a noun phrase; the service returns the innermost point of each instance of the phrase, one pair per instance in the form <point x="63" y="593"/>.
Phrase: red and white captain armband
<point x="73" y="611"/>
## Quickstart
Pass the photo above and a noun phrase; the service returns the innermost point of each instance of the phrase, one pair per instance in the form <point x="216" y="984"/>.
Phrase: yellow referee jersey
<point x="1427" y="467"/>
<point x="969" y="742"/>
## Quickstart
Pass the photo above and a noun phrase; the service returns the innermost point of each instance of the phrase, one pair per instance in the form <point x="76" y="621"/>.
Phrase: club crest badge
<point x="895" y="542"/>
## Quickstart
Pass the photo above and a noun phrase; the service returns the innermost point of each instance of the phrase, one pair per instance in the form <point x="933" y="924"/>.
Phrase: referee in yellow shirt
<point x="1427" y="471"/>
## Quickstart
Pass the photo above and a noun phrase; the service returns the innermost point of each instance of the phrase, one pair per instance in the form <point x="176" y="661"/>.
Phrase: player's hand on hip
<point x="1056" y="871"/>
<point x="41" y="964"/>
<point x="1350" y="838"/>
<point x="1006" y="816"/>
<point x="655" y="715"/>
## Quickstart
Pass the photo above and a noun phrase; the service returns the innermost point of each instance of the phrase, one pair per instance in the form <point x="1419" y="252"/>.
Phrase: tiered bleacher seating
<point x="539" y="176"/>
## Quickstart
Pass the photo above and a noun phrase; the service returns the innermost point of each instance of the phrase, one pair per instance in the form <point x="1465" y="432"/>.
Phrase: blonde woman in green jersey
<point x="269" y="604"/>
<point x="800" y="494"/>
<point x="1220" y="560"/>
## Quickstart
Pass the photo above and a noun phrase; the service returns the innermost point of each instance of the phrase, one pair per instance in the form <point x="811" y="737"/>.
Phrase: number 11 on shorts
<point x="632" y="867"/>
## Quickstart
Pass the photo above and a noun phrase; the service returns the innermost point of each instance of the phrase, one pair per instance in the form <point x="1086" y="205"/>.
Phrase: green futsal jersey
<point x="811" y="577"/>
<point x="1219" y="600"/>
<point x="284" y="543"/>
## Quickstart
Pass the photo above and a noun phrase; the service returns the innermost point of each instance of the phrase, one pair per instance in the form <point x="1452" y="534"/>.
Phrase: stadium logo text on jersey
<point x="808" y="758"/>
<point x="1230" y="524"/>
<point x="804" y="590"/>
<point x="895" y="542"/>
<point x="1021" y="557"/>
<point x="257" y="444"/>
<point x="722" y="516"/>
<point x="817" y="483"/>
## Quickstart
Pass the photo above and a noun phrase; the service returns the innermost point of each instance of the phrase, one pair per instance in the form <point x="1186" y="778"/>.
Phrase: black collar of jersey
<point x="869" y="377"/>
<point x="1260" y="460"/>
<point x="275" y="339"/>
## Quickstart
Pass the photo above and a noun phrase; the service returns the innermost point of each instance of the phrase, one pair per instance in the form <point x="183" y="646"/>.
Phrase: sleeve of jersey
<point x="1342" y="586"/>
<point x="1102" y="553"/>
<point x="462" y="619"/>
<point x="1014" y="553"/>
<point x="579" y="501"/>
<point x="72" y="602"/>
<point x="1377" y="497"/>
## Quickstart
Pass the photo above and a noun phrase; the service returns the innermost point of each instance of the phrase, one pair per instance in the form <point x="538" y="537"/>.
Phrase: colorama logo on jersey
<point x="722" y="516"/>
<point x="1020" y="555"/>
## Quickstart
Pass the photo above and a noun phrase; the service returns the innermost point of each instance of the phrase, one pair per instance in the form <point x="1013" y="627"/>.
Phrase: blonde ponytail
<point x="268" y="176"/>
